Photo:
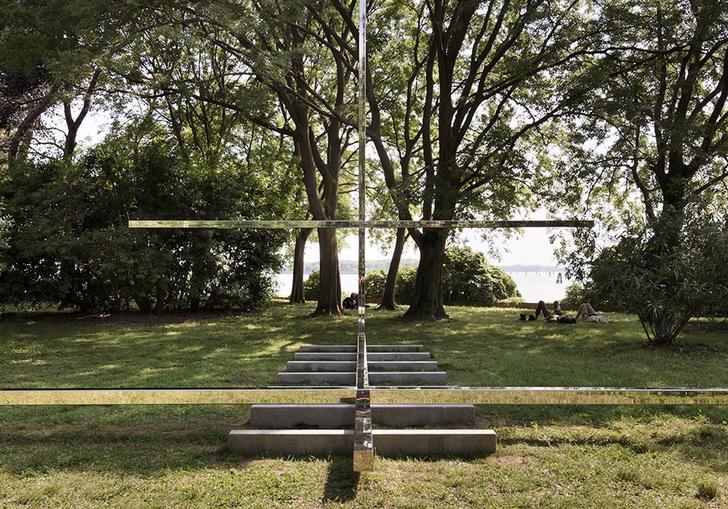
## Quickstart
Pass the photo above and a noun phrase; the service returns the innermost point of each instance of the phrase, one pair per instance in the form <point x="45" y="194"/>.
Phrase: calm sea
<point x="534" y="286"/>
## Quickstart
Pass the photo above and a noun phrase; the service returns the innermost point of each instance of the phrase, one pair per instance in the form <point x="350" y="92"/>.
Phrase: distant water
<point x="534" y="286"/>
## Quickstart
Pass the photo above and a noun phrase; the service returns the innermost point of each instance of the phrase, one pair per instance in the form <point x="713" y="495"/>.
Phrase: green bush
<point x="469" y="279"/>
<point x="665" y="282"/>
<point x="70" y="243"/>
<point x="405" y="284"/>
<point x="311" y="286"/>
<point x="375" y="286"/>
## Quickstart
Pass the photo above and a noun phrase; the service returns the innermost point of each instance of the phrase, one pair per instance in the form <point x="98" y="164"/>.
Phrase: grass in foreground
<point x="175" y="456"/>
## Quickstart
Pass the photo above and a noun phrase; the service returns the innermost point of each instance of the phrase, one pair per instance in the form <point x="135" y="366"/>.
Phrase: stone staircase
<point x="315" y="429"/>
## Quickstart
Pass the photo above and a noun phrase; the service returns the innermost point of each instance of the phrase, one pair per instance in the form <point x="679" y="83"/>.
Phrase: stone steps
<point x="387" y="442"/>
<point x="387" y="366"/>
<point x="352" y="348"/>
<point x="372" y="357"/>
<point x="398" y="378"/>
<point x="337" y="416"/>
<point x="280" y="427"/>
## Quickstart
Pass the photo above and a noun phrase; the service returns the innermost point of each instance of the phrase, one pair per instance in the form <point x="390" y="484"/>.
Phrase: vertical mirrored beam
<point x="363" y="460"/>
<point x="363" y="443"/>
<point x="362" y="161"/>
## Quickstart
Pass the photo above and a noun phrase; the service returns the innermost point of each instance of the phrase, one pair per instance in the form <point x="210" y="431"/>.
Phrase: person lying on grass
<point x="554" y="317"/>
<point x="585" y="312"/>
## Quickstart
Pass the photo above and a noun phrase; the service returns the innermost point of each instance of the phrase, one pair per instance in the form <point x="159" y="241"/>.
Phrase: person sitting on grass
<point x="586" y="313"/>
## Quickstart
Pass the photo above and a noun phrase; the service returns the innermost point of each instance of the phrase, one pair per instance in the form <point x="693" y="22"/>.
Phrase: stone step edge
<point x="341" y="415"/>
<point x="352" y="348"/>
<point x="387" y="442"/>
<point x="350" y="366"/>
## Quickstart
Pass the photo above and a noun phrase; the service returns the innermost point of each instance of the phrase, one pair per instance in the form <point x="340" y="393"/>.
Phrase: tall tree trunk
<point x="427" y="302"/>
<point x="329" y="301"/>
<point x="388" y="297"/>
<point x="297" y="293"/>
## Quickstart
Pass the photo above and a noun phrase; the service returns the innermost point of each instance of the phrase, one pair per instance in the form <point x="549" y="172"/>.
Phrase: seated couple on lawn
<point x="585" y="313"/>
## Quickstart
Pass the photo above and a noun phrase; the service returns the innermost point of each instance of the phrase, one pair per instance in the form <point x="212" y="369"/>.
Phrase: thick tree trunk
<point x="329" y="301"/>
<point x="297" y="293"/>
<point x="427" y="299"/>
<point x="388" y="297"/>
<point x="70" y="145"/>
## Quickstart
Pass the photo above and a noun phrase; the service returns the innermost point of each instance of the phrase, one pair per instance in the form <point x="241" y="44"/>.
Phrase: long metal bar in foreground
<point x="363" y="459"/>
<point x="553" y="395"/>
<point x="346" y="224"/>
<point x="414" y="395"/>
<point x="174" y="396"/>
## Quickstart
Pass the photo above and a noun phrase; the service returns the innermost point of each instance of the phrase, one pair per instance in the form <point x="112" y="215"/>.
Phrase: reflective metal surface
<point x="363" y="459"/>
<point x="552" y="395"/>
<point x="221" y="396"/>
<point x="378" y="395"/>
<point x="336" y="223"/>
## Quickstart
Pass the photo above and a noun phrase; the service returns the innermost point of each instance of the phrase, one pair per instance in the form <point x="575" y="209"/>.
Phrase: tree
<point x="49" y="49"/>
<point x="658" y="110"/>
<point x="298" y="295"/>
<point x="478" y="81"/>
<point x="280" y="44"/>
<point x="389" y="300"/>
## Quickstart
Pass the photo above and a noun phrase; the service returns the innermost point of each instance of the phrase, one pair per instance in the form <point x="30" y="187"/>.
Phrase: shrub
<point x="406" y="284"/>
<point x="375" y="285"/>
<point x="468" y="278"/>
<point x="665" y="283"/>
<point x="311" y="286"/>
<point x="70" y="243"/>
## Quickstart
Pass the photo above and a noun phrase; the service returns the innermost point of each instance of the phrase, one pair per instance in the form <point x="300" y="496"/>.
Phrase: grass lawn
<point x="176" y="457"/>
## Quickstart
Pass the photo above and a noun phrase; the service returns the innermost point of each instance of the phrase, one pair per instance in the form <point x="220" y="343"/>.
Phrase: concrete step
<point x="342" y="415"/>
<point x="352" y="348"/>
<point x="387" y="442"/>
<point x="402" y="378"/>
<point x="373" y="366"/>
<point x="376" y="356"/>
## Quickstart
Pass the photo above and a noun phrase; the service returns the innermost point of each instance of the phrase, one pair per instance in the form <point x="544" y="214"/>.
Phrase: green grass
<point x="175" y="456"/>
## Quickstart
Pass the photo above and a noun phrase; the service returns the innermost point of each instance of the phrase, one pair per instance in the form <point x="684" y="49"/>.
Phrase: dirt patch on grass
<point x="508" y="460"/>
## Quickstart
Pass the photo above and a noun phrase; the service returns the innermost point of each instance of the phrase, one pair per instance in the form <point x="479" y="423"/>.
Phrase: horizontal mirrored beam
<point x="378" y="395"/>
<point x="284" y="224"/>
<point x="174" y="396"/>
<point x="551" y="395"/>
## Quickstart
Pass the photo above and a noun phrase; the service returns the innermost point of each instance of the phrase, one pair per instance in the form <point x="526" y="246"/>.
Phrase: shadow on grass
<point x="148" y="441"/>
<point x="342" y="483"/>
<point x="697" y="434"/>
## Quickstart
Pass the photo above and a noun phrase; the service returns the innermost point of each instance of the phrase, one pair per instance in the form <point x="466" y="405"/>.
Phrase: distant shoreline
<point x="350" y="267"/>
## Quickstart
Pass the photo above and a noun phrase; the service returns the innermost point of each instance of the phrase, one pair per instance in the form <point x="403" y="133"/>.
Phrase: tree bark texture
<point x="427" y="301"/>
<point x="297" y="294"/>
<point x="389" y="301"/>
